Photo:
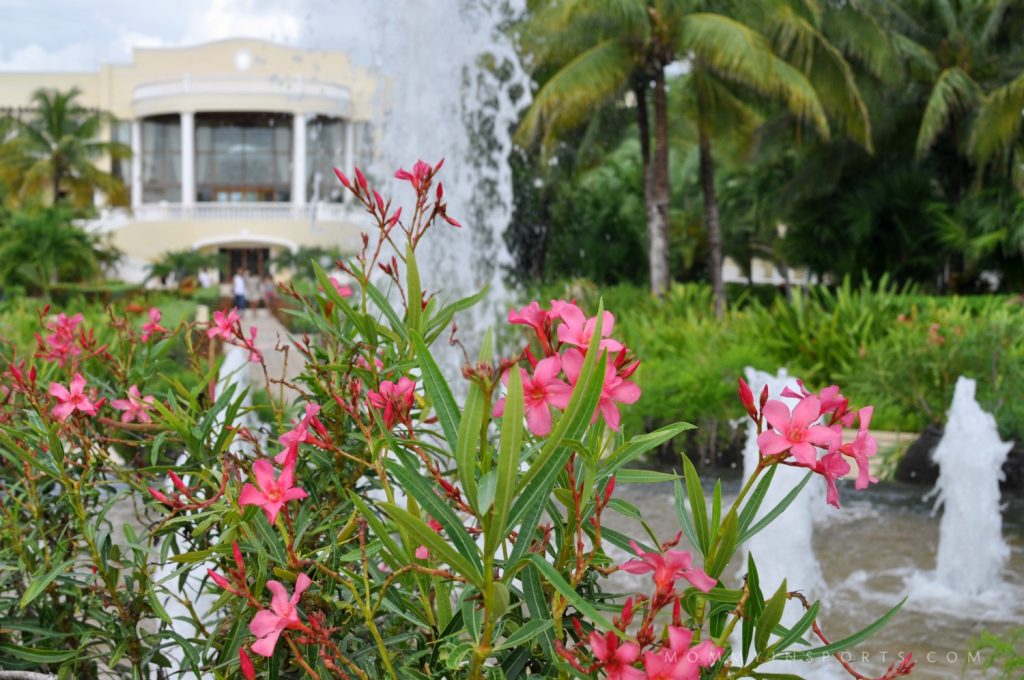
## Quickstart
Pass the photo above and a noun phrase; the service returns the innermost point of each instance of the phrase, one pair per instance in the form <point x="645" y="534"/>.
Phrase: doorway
<point x="255" y="260"/>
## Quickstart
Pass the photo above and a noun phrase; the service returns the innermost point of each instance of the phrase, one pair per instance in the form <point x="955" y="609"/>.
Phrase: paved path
<point x="269" y="334"/>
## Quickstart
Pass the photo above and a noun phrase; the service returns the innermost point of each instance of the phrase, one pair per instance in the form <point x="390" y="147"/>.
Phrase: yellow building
<point x="233" y="147"/>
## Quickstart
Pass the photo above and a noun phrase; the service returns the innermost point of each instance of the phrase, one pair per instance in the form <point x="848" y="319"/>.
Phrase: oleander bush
<point x="376" y="526"/>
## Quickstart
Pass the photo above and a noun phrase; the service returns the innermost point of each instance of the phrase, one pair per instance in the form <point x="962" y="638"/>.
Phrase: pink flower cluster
<point x="393" y="400"/>
<point x="75" y="398"/>
<point x="228" y="327"/>
<point x="811" y="434"/>
<point x="671" y="656"/>
<point x="564" y="333"/>
<point x="64" y="340"/>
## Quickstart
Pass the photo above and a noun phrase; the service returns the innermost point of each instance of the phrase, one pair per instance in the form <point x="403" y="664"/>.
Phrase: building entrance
<point x="255" y="260"/>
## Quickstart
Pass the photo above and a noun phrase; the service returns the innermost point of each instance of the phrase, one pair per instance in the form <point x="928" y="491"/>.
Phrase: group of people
<point x="242" y="289"/>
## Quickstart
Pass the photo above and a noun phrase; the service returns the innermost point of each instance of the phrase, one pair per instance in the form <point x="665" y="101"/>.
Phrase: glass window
<point x="325" y="150"/>
<point x="243" y="156"/>
<point x="121" y="131"/>
<point x="161" y="159"/>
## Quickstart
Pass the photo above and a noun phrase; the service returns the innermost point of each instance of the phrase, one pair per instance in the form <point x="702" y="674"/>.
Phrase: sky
<point x="46" y="35"/>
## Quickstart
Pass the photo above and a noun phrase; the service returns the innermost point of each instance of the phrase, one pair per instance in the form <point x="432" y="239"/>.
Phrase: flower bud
<point x="344" y="181"/>
<point x="161" y="497"/>
<point x="747" y="398"/>
<point x="178" y="483"/>
<point x="248" y="671"/>
<point x="360" y="178"/>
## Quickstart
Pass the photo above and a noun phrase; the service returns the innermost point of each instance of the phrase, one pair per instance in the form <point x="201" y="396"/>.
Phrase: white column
<point x="188" y="158"/>
<point x="350" y="148"/>
<point x="136" y="179"/>
<point x="299" y="160"/>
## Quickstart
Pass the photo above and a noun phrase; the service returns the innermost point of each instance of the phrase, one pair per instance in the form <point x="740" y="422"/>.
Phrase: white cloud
<point x="279" y="21"/>
<point x="33" y="57"/>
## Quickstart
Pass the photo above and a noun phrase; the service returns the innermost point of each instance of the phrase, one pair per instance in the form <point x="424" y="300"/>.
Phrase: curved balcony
<point x="241" y="94"/>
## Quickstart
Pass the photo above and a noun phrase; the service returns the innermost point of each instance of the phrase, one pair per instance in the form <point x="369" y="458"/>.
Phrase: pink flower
<point x="577" y="329"/>
<point x="271" y="494"/>
<point x="667" y="568"/>
<point x="615" y="390"/>
<point x="540" y="392"/>
<point x="862" y="448"/>
<point x="224" y="325"/>
<point x="60" y="345"/>
<point x="795" y="432"/>
<point x="300" y="434"/>
<point x="422" y="552"/>
<point x="71" y="400"/>
<point x="832" y="466"/>
<point x="677" y="661"/>
<point x="395" y="400"/>
<point x="531" y="315"/>
<point x="421" y="174"/>
<point x="255" y="355"/>
<point x="135" y="407"/>
<point x="268" y="624"/>
<point x="343" y="290"/>
<point x="616" y="657"/>
<point x="153" y="326"/>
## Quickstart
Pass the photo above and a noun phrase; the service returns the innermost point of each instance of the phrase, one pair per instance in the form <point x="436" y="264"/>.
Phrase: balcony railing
<point x="113" y="219"/>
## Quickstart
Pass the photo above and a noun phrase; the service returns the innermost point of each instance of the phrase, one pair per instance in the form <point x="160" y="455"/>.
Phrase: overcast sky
<point x="81" y="34"/>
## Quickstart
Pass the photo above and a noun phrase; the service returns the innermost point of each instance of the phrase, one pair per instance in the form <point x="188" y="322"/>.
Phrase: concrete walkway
<point x="270" y="334"/>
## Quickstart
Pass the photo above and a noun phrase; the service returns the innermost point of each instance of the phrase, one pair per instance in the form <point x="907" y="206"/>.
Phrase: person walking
<point x="238" y="287"/>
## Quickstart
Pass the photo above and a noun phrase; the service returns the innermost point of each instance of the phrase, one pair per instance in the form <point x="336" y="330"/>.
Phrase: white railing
<point x="113" y="219"/>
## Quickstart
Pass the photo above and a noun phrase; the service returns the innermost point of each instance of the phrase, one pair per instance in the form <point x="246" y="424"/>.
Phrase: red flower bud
<point x="342" y="178"/>
<point x="160" y="497"/>
<point x="764" y="397"/>
<point x="360" y="178"/>
<point x="451" y="220"/>
<point x="438" y="166"/>
<point x="221" y="581"/>
<point x="178" y="484"/>
<point x="440" y="190"/>
<point x="747" y="398"/>
<point x="394" y="218"/>
<point x="248" y="671"/>
<point x="609" y="489"/>
<point x="239" y="562"/>
<point x="380" y="201"/>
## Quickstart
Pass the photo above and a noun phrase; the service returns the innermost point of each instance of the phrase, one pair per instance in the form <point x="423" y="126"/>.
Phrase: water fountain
<point x="972" y="551"/>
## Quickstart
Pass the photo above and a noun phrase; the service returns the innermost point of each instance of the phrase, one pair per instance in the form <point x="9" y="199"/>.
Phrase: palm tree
<point x="977" y="87"/>
<point x="599" y="50"/>
<point x="57" y="149"/>
<point x="40" y="248"/>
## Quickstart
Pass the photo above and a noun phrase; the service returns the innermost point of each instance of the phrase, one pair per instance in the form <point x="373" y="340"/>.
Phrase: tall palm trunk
<point x="711" y="221"/>
<point x="657" y="191"/>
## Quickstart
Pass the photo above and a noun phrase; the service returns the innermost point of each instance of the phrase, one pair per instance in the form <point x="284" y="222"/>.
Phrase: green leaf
<point x="471" y="428"/>
<point x="798" y="629"/>
<point x="486" y="492"/>
<point x="639" y="445"/>
<point x="636" y="476"/>
<point x="417" y="486"/>
<point x="443" y="318"/>
<point x="508" y="462"/>
<point x="438" y="391"/>
<point x="724" y="546"/>
<point x="37" y="656"/>
<point x="578" y="601"/>
<point x="754" y="608"/>
<point x="771" y="617"/>
<point x="846" y="642"/>
<point x="526" y="633"/>
<point x="357" y="319"/>
<point x="381" y="302"/>
<point x="40" y="582"/>
<point x="697" y="507"/>
<point x="776" y="511"/>
<point x="753" y="503"/>
<point x="685" y="520"/>
<point x="412" y="287"/>
<point x="437" y="545"/>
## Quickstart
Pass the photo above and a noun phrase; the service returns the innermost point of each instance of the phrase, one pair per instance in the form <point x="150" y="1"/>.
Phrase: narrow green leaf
<point x="438" y="391"/>
<point x="697" y="507"/>
<point x="637" y="446"/>
<point x="509" y="448"/>
<point x="412" y="287"/>
<point x="357" y="319"/>
<point x="724" y="546"/>
<point x="797" y="631"/>
<point x="437" y="545"/>
<point x="578" y="601"/>
<point x="467" y="448"/>
<point x="776" y="511"/>
<point x="536" y="604"/>
<point x="773" y="610"/>
<point x="416" y="485"/>
<point x="380" y="300"/>
<point x="37" y="656"/>
<point x="526" y="633"/>
<point x="41" y="581"/>
<point x="685" y="520"/>
<point x="846" y="642"/>
<point x="636" y="476"/>
<point x="753" y="503"/>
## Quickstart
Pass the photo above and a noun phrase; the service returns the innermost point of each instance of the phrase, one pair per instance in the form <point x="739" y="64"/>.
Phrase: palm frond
<point x="570" y="95"/>
<point x="954" y="93"/>
<point x="739" y="54"/>
<point x="998" y="123"/>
